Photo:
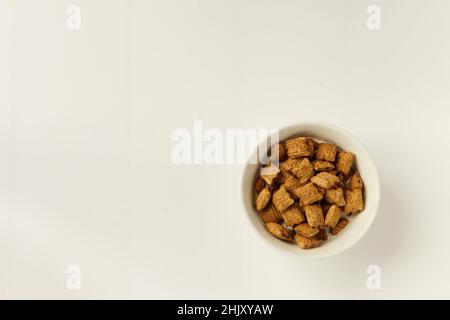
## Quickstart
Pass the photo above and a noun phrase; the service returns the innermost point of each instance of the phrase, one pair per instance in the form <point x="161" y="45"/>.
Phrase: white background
<point x="85" y="125"/>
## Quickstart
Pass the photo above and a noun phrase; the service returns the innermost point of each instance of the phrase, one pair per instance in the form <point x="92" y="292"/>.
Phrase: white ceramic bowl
<point x="359" y="223"/>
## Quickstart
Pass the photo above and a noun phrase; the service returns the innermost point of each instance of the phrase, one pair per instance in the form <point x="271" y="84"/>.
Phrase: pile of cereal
<point x="307" y="191"/>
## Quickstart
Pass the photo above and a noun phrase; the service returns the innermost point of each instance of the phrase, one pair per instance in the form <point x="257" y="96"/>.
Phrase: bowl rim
<point x="376" y="190"/>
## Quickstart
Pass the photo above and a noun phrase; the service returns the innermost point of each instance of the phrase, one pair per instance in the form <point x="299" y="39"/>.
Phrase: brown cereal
<point x="355" y="181"/>
<point x="345" y="162"/>
<point x="325" y="180"/>
<point x="335" y="196"/>
<point x="303" y="170"/>
<point x="340" y="225"/>
<point x="291" y="183"/>
<point x="263" y="199"/>
<point x="314" y="215"/>
<point x="306" y="243"/>
<point x="333" y="216"/>
<point x="320" y="165"/>
<point x="326" y="151"/>
<point x="306" y="230"/>
<point x="308" y="194"/>
<point x="311" y="146"/>
<point x="288" y="164"/>
<point x="301" y="194"/>
<point x="293" y="215"/>
<point x="299" y="147"/>
<point x="354" y="201"/>
<point x="270" y="214"/>
<point x="279" y="231"/>
<point x="281" y="199"/>
<point x="259" y="184"/>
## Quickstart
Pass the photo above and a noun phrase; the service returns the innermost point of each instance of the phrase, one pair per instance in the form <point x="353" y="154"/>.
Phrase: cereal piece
<point x="340" y="225"/>
<point x="259" y="184"/>
<point x="303" y="170"/>
<point x="290" y="182"/>
<point x="325" y="180"/>
<point x="269" y="173"/>
<point x="308" y="194"/>
<point x="281" y="199"/>
<point x="323" y="165"/>
<point x="279" y="231"/>
<point x="345" y="162"/>
<point x="333" y="216"/>
<point x="299" y="147"/>
<point x="293" y="216"/>
<point x="314" y="215"/>
<point x="311" y="146"/>
<point x="326" y="151"/>
<point x="306" y="230"/>
<point x="322" y="235"/>
<point x="306" y="243"/>
<point x="355" y="181"/>
<point x="278" y="153"/>
<point x="288" y="164"/>
<point x="270" y="214"/>
<point x="263" y="199"/>
<point x="335" y="196"/>
<point x="354" y="201"/>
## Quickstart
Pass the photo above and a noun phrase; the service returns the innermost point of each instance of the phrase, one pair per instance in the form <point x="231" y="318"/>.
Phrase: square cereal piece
<point x="325" y="180"/>
<point x="314" y="215"/>
<point x="335" y="196"/>
<point x="333" y="216"/>
<point x="290" y="183"/>
<point x="281" y="199"/>
<point x="293" y="216"/>
<point x="355" y="181"/>
<point x="303" y="170"/>
<point x="306" y="243"/>
<point x="279" y="231"/>
<point x="308" y="194"/>
<point x="322" y="165"/>
<point x="278" y="153"/>
<point x="312" y="145"/>
<point x="340" y="225"/>
<point x="354" y="201"/>
<point x="288" y="164"/>
<point x="263" y="199"/>
<point x="269" y="173"/>
<point x="299" y="147"/>
<point x="345" y="162"/>
<point x="306" y="230"/>
<point x="270" y="214"/>
<point x="326" y="152"/>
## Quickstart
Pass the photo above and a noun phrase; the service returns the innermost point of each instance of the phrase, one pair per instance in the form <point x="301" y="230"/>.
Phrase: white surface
<point x="86" y="118"/>
<point x="359" y="224"/>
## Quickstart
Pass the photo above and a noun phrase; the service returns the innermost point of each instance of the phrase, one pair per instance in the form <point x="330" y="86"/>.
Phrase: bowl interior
<point x="358" y="225"/>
